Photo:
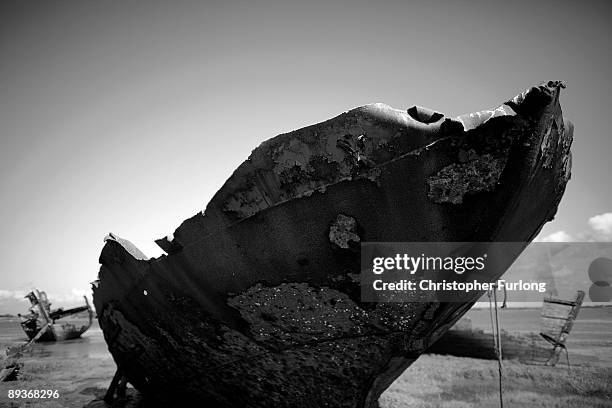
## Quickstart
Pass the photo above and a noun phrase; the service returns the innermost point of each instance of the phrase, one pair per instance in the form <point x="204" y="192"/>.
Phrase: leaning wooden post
<point x="110" y="393"/>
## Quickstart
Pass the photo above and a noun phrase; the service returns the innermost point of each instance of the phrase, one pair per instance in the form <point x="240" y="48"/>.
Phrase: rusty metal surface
<point x="257" y="303"/>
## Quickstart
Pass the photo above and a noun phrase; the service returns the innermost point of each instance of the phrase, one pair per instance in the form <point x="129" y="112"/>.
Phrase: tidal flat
<point x="81" y="370"/>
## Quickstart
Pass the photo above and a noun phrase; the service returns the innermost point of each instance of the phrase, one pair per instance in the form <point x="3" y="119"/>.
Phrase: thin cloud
<point x="74" y="297"/>
<point x="11" y="295"/>
<point x="559" y="236"/>
<point x="599" y="230"/>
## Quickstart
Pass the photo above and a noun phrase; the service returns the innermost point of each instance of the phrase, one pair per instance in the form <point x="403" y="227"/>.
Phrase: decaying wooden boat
<point x="44" y="324"/>
<point x="257" y="302"/>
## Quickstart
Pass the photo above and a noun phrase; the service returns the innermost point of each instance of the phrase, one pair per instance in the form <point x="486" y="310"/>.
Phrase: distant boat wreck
<point x="44" y="324"/>
<point x="258" y="301"/>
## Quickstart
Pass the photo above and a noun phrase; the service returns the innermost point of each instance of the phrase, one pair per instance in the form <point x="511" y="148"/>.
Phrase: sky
<point x="128" y="116"/>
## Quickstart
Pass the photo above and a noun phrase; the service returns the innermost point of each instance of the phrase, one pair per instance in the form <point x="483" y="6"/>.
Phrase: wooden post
<point x="117" y="387"/>
<point x="45" y="315"/>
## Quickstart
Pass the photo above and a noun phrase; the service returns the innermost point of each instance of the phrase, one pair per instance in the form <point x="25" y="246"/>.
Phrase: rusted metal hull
<point x="256" y="303"/>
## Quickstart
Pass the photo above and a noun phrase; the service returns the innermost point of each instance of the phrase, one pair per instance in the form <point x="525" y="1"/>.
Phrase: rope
<point x="495" y="327"/>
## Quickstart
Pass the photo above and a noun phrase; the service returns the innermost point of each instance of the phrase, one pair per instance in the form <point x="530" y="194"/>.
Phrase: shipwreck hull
<point x="44" y="324"/>
<point x="58" y="332"/>
<point x="257" y="304"/>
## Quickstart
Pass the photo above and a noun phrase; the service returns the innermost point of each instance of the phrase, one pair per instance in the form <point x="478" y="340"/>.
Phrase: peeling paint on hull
<point x="257" y="303"/>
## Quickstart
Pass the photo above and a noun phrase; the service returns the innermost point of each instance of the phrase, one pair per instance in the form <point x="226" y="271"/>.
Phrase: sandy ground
<point x="78" y="381"/>
<point x="433" y="381"/>
<point x="81" y="372"/>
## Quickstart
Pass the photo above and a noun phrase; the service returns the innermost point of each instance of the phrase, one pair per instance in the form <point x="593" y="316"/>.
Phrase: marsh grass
<point x="443" y="381"/>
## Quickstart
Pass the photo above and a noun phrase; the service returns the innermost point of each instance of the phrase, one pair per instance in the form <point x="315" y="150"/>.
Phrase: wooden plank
<point x="556" y="310"/>
<point x="560" y="301"/>
<point x="552" y="327"/>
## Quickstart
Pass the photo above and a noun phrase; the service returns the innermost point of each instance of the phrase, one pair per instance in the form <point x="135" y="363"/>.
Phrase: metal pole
<point x="499" y="349"/>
